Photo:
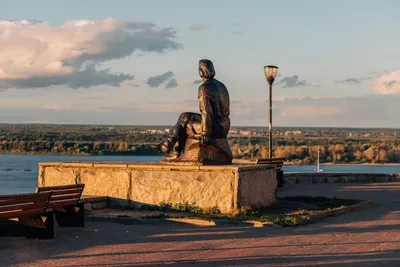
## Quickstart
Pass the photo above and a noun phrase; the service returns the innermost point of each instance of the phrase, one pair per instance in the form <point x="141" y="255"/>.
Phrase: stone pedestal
<point x="217" y="152"/>
<point x="226" y="187"/>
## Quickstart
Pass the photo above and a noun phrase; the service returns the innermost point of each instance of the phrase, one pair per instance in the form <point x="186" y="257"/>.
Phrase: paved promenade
<point x="368" y="237"/>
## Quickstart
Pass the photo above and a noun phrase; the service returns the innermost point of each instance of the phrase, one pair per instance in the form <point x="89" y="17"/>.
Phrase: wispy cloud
<point x="51" y="106"/>
<point x="237" y="32"/>
<point x="388" y="84"/>
<point x="293" y="81"/>
<point x="322" y="112"/>
<point x="157" y="80"/>
<point x="167" y="106"/>
<point x="351" y="81"/>
<point x="171" y="84"/>
<point x="358" y="80"/>
<point x="68" y="106"/>
<point x="197" y="27"/>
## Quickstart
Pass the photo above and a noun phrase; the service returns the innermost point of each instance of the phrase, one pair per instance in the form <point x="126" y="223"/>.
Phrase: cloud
<point x="278" y="98"/>
<point x="46" y="55"/>
<point x="292" y="112"/>
<point x="321" y="112"/>
<point x="388" y="84"/>
<point x="172" y="106"/>
<point x="239" y="28"/>
<point x="81" y="79"/>
<point x="341" y="112"/>
<point x="156" y="81"/>
<point x="237" y="32"/>
<point x="51" y="106"/>
<point x="64" y="107"/>
<point x="197" y="27"/>
<point x="293" y="81"/>
<point x="171" y="84"/>
<point x="369" y="76"/>
<point x="351" y="80"/>
<point x="197" y="82"/>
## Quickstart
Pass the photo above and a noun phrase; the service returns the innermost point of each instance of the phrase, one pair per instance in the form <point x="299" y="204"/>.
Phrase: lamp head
<point x="270" y="72"/>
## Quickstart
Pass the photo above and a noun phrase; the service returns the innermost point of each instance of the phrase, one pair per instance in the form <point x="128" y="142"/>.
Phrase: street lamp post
<point x="270" y="73"/>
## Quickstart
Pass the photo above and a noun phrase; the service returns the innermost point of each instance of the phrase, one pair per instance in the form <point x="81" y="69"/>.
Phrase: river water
<point x="18" y="173"/>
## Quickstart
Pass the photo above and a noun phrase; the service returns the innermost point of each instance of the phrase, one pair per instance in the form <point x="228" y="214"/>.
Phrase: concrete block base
<point x="136" y="184"/>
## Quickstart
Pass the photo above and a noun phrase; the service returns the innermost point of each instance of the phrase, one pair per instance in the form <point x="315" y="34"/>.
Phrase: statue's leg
<point x="177" y="134"/>
<point x="190" y="128"/>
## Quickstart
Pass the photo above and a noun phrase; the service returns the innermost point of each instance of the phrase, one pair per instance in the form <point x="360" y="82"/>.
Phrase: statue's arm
<point x="206" y="112"/>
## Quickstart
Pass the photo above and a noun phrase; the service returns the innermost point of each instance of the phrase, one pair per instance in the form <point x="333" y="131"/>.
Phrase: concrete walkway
<point x="369" y="237"/>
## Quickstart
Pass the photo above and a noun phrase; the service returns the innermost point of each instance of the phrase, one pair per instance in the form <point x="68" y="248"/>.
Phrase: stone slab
<point x="326" y="177"/>
<point x="225" y="187"/>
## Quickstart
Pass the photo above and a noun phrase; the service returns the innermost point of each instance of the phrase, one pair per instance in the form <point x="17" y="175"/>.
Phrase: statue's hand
<point x="205" y="139"/>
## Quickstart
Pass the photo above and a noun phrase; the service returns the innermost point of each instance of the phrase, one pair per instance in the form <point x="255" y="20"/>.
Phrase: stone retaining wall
<point x="136" y="184"/>
<point x="321" y="177"/>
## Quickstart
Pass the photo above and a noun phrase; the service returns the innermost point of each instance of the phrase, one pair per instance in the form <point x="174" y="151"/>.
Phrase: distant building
<point x="292" y="132"/>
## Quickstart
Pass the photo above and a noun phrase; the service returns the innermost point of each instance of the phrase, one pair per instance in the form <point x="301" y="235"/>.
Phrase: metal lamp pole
<point x="270" y="73"/>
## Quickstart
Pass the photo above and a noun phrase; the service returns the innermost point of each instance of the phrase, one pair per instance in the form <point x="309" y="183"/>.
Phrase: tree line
<point x="334" y="145"/>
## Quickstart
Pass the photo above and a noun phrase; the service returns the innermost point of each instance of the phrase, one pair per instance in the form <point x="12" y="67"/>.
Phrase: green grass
<point x="288" y="211"/>
<point x="323" y="202"/>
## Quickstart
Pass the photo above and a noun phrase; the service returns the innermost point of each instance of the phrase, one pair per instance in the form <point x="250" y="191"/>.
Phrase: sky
<point x="136" y="62"/>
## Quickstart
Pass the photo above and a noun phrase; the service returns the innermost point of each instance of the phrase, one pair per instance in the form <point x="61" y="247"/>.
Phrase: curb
<point x="174" y="221"/>
<point x="329" y="213"/>
<point x="225" y="222"/>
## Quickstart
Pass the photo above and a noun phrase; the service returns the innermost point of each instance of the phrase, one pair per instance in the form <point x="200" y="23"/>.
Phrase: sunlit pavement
<point x="368" y="237"/>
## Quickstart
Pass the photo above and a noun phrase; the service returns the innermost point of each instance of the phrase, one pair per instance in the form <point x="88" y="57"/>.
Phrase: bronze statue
<point x="202" y="138"/>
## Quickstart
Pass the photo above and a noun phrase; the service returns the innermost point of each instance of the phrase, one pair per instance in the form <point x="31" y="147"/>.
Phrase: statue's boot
<point x="165" y="146"/>
<point x="174" y="156"/>
<point x="176" y="152"/>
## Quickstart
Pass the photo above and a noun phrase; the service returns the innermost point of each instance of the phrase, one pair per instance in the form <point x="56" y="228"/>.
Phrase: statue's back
<point x="218" y="94"/>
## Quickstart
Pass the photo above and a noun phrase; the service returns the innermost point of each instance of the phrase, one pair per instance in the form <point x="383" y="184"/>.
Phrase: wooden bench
<point x="68" y="210"/>
<point x="277" y="163"/>
<point x="31" y="211"/>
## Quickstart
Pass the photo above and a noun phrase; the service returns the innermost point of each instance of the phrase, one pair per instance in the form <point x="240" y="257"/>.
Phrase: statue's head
<point x="206" y="69"/>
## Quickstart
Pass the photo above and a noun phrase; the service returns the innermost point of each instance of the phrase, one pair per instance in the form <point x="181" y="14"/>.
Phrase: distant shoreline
<point x="362" y="164"/>
<point x="352" y="164"/>
<point x="79" y="155"/>
<point x="392" y="164"/>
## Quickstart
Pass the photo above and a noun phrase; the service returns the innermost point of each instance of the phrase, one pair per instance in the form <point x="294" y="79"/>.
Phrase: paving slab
<point x="366" y="237"/>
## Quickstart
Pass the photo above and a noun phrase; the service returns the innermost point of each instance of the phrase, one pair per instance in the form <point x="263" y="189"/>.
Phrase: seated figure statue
<point x="202" y="137"/>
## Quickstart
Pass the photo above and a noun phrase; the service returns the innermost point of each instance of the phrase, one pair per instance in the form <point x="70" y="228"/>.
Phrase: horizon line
<point x="233" y="126"/>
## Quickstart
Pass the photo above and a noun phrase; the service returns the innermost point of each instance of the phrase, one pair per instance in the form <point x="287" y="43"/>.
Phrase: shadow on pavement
<point x="367" y="237"/>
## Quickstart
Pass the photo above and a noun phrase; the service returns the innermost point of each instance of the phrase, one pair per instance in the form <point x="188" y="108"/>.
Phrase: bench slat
<point x="24" y="206"/>
<point x="271" y="161"/>
<point x="29" y="196"/>
<point x="66" y="192"/>
<point x="21" y="201"/>
<point x="60" y="187"/>
<point x="21" y="213"/>
<point x="62" y="203"/>
<point x="65" y="197"/>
